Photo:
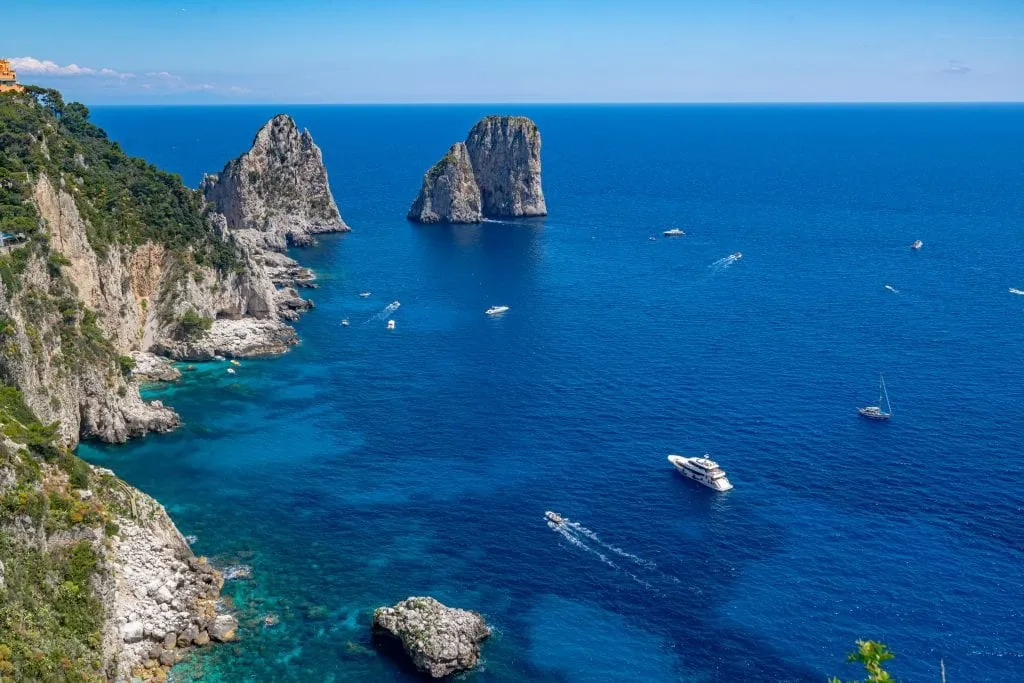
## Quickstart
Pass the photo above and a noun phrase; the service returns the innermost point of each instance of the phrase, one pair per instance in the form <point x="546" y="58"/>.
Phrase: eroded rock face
<point x="278" y="188"/>
<point x="505" y="153"/>
<point x="440" y="640"/>
<point x="449" y="193"/>
<point x="494" y="174"/>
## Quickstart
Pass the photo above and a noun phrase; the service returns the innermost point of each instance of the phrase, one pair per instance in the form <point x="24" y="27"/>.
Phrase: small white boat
<point x="364" y="294"/>
<point x="496" y="310"/>
<point x="1014" y="290"/>
<point x="231" y="371"/>
<point x="344" y="323"/>
<point x="735" y="256"/>
<point x="653" y="238"/>
<point x="554" y="518"/>
<point x="391" y="324"/>
<point x="674" y="232"/>
<point x="882" y="411"/>
<point x="917" y="244"/>
<point x="702" y="470"/>
<point x="892" y="289"/>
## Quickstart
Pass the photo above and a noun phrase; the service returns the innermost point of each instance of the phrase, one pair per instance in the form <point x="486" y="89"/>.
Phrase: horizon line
<point x="581" y="103"/>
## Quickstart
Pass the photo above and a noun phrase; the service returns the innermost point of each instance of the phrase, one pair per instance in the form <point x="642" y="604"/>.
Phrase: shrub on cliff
<point x="193" y="325"/>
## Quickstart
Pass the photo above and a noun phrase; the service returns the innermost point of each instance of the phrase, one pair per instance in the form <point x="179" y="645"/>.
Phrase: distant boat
<point x="702" y="470"/>
<point x="892" y="289"/>
<point x="496" y="310"/>
<point x="653" y="238"/>
<point x="917" y="244"/>
<point x="364" y="294"/>
<point x="344" y="323"/>
<point x="1014" y="290"/>
<point x="391" y="324"/>
<point x="674" y="232"/>
<point x="883" y="411"/>
<point x="736" y="256"/>
<point x="554" y="518"/>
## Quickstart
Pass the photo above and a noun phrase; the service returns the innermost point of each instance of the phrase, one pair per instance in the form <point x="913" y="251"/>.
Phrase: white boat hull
<point x="715" y="484"/>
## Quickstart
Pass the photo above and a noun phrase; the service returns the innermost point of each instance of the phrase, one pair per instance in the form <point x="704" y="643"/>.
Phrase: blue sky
<point x="320" y="51"/>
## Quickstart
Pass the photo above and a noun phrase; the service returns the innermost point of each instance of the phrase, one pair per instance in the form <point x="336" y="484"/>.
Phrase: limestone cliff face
<point x="494" y="174"/>
<point x="278" y="189"/>
<point x="505" y="153"/>
<point x="450" y="193"/>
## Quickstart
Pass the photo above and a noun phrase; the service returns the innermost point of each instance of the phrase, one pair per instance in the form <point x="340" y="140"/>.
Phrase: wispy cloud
<point x="956" y="68"/>
<point x="152" y="81"/>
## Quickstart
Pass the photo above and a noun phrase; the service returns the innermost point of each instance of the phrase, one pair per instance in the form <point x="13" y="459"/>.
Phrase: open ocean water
<point x="369" y="465"/>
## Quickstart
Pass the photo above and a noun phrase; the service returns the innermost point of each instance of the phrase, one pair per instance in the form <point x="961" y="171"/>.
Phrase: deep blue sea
<point x="369" y="465"/>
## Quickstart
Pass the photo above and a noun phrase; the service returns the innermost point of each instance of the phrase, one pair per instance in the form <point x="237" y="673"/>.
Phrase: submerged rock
<point x="440" y="640"/>
<point x="278" y="189"/>
<point x="449" y="193"/>
<point x="495" y="173"/>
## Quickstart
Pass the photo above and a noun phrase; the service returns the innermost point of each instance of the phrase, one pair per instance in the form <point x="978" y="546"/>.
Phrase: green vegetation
<point x="124" y="199"/>
<point x="193" y="325"/>
<point x="50" y="619"/>
<point x="127" y="364"/>
<point x="872" y="655"/>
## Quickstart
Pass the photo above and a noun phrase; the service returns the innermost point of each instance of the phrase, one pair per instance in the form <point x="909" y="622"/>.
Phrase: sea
<point x="368" y="465"/>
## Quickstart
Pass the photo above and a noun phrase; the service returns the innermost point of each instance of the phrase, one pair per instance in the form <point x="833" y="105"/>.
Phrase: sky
<point x="446" y="51"/>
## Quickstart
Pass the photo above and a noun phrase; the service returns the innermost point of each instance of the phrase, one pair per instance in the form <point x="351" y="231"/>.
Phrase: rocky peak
<point x="279" y="188"/>
<point x="440" y="640"/>
<point x="449" y="193"/>
<point x="497" y="170"/>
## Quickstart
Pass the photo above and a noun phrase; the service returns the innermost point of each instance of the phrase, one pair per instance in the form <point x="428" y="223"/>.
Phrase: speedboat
<point x="344" y="323"/>
<point x="231" y="371"/>
<point x="1014" y="290"/>
<point x="235" y="362"/>
<point x="892" y="289"/>
<point x="883" y="411"/>
<point x="917" y="244"/>
<point x="653" y="238"/>
<point x="364" y="294"/>
<point x="496" y="310"/>
<point x="391" y="324"/>
<point x="674" y="232"/>
<point x="736" y="256"/>
<point x="554" y="518"/>
<point x="702" y="470"/>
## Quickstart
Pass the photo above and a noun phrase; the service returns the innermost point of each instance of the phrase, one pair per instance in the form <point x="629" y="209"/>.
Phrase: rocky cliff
<point x="277" y="192"/>
<point x="450" y="193"/>
<point x="440" y="640"/>
<point x="494" y="174"/>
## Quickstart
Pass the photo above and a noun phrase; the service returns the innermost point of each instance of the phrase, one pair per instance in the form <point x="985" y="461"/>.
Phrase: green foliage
<point x="194" y="325"/>
<point x="872" y="655"/>
<point x="127" y="364"/>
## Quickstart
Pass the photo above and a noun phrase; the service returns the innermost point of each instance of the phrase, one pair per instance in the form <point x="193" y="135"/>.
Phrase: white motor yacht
<point x="496" y="310"/>
<point x="364" y="294"/>
<point x="702" y="470"/>
<point x="674" y="232"/>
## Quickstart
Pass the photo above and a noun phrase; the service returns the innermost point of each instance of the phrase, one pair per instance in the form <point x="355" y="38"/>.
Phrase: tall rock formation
<point x="278" y="190"/>
<point x="450" y="193"/>
<point x="496" y="172"/>
<point x="505" y="153"/>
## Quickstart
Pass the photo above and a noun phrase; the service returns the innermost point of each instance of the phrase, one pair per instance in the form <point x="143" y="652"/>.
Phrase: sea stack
<point x="278" y="189"/>
<point x="440" y="640"/>
<point x="497" y="170"/>
<point x="450" y="193"/>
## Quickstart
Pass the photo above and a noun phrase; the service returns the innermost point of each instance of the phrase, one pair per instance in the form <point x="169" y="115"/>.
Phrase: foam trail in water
<point x="388" y="310"/>
<point x="1014" y="290"/>
<point x="723" y="263"/>
<point x="892" y="289"/>
<point x="565" y="533"/>
<point x="584" y="531"/>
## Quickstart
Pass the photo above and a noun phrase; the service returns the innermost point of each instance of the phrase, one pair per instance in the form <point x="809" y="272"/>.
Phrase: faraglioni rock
<point x="278" y="189"/>
<point x="497" y="171"/>
<point x="440" y="640"/>
<point x="449" y="193"/>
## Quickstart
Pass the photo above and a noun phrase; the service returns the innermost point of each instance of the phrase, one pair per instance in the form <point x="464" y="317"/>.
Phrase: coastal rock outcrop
<point x="450" y="193"/>
<point x="278" y="190"/>
<point x="440" y="640"/>
<point x="495" y="173"/>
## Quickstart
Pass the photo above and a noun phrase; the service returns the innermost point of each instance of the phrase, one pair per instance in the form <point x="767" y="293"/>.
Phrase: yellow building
<point x="8" y="79"/>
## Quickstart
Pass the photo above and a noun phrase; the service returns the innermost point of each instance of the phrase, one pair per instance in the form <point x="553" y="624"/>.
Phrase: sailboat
<point x="883" y="411"/>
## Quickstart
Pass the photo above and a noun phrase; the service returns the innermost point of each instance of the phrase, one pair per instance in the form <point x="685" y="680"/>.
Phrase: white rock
<point x="132" y="632"/>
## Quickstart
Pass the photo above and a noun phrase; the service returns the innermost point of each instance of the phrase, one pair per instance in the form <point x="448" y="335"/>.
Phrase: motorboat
<point x="917" y="244"/>
<point x="882" y="411"/>
<point x="344" y="323"/>
<point x="735" y="256"/>
<point x="554" y="518"/>
<point x="496" y="310"/>
<point x="1014" y="290"/>
<point x="231" y="371"/>
<point x="391" y="324"/>
<point x="364" y="294"/>
<point x="235" y="362"/>
<point x="702" y="470"/>
<point x="674" y="232"/>
<point x="892" y="289"/>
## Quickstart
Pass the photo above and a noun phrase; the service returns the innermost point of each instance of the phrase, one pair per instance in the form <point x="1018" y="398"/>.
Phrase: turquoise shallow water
<point x="366" y="465"/>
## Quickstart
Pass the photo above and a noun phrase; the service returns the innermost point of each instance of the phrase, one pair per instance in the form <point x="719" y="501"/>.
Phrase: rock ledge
<point x="440" y="640"/>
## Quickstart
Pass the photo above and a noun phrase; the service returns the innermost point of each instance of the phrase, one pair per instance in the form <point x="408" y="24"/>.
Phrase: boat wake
<point x="892" y="289"/>
<point x="587" y="540"/>
<point x="1014" y="290"/>
<point x="723" y="263"/>
<point x="388" y="310"/>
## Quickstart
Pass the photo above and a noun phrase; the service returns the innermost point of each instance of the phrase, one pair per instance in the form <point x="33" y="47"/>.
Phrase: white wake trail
<point x="646" y="564"/>
<point x="388" y="310"/>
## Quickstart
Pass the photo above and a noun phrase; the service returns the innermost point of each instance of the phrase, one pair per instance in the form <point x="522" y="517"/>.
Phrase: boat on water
<point x="702" y="470"/>
<point x="496" y="310"/>
<point x="892" y="289"/>
<point x="674" y="232"/>
<point x="344" y="323"/>
<point x="1014" y="290"/>
<point x="364" y="294"/>
<point x="735" y="256"/>
<point x="391" y="324"/>
<point x="917" y="244"/>
<point x="554" y="518"/>
<point x="883" y="411"/>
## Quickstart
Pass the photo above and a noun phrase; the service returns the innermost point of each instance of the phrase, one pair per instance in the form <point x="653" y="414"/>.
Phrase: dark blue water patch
<point x="368" y="465"/>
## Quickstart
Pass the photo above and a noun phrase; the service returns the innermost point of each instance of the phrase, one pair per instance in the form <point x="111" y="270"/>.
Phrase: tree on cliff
<point x="872" y="655"/>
